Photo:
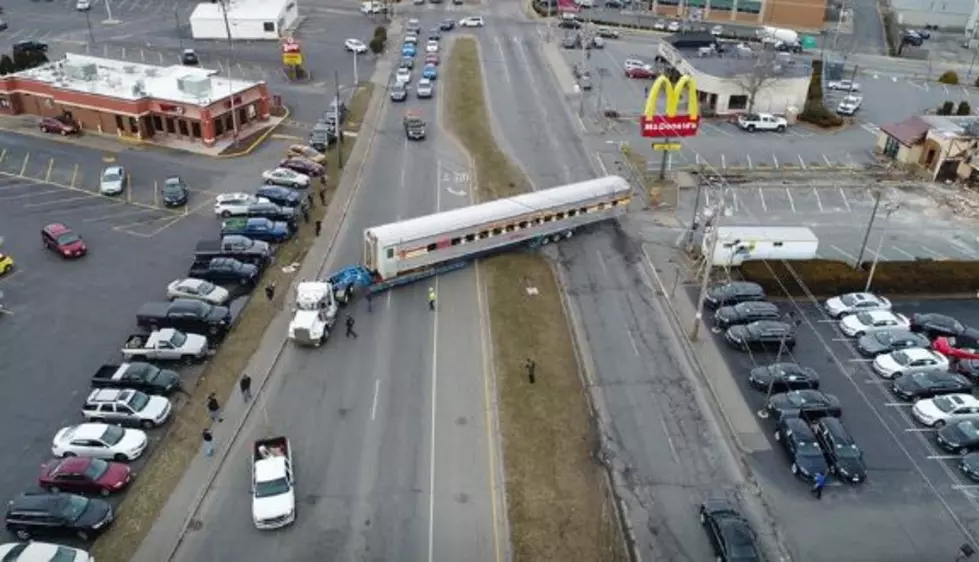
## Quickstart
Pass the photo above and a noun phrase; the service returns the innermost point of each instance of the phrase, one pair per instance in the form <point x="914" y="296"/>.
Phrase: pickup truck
<point x="241" y="248"/>
<point x="258" y="229"/>
<point x="752" y="122"/>
<point x="273" y="483"/>
<point x="137" y="376"/>
<point x="186" y="315"/>
<point x="849" y="105"/>
<point x="165" y="345"/>
<point x="224" y="270"/>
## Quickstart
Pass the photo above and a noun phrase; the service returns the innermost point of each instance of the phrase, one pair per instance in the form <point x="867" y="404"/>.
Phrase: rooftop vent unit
<point x="129" y="69"/>
<point x="195" y="85"/>
<point x="81" y="71"/>
<point x="151" y="72"/>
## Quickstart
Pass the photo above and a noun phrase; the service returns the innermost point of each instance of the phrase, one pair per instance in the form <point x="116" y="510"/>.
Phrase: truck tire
<point x="780" y="129"/>
<point x="225" y="214"/>
<point x="751" y="128"/>
<point x="141" y="358"/>
<point x="147" y="424"/>
<point x="213" y="330"/>
<point x="119" y="457"/>
<point x="188" y="359"/>
<point x="154" y="326"/>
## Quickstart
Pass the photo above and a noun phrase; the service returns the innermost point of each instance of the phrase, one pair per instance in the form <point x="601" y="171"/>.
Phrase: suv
<point x="845" y="458"/>
<point x="63" y="241"/>
<point x="398" y="91"/>
<point x="729" y="294"/>
<point x="61" y="126"/>
<point x="322" y="137"/>
<point x="186" y="315"/>
<point x="126" y="407"/>
<point x="37" y="514"/>
<point x="764" y="334"/>
<point x="745" y="313"/>
<point x="806" y="404"/>
<point x="336" y="114"/>
<point x="800" y="444"/>
<point x="30" y="46"/>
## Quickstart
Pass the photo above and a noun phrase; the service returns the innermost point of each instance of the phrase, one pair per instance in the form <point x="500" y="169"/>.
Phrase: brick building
<point x="795" y="14"/>
<point x="138" y="101"/>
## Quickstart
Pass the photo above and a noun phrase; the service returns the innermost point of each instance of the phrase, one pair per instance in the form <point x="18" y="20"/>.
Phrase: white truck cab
<point x="315" y="313"/>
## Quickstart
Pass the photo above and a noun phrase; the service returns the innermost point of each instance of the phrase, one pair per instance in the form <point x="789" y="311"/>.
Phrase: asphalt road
<point x="391" y="441"/>
<point x="664" y="445"/>
<point x="67" y="318"/>
<point x="914" y="494"/>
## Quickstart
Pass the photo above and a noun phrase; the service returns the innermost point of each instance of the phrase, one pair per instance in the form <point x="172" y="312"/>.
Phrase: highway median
<point x="559" y="507"/>
<point x="168" y="463"/>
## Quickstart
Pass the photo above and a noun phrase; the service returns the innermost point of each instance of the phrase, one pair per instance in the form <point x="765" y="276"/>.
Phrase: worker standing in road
<point x="431" y="298"/>
<point x="350" y="327"/>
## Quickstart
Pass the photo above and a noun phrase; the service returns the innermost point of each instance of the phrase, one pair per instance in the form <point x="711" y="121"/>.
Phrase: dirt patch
<point x="244" y="146"/>
<point x="557" y="503"/>
<point x="656" y="191"/>
<point x="182" y="442"/>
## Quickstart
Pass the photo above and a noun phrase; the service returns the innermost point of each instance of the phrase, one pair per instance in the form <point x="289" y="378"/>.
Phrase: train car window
<point x="484" y="234"/>
<point x="510" y="228"/>
<point x="601" y="206"/>
<point x="547" y="218"/>
<point x="390" y="253"/>
<point x="497" y="231"/>
<point x="536" y="221"/>
<point x="615" y="203"/>
<point x="572" y="212"/>
<point x="431" y="247"/>
<point x="456" y="241"/>
<point x="776" y="244"/>
<point x="559" y="216"/>
<point x="583" y="210"/>
<point x="523" y="224"/>
<point x="470" y="237"/>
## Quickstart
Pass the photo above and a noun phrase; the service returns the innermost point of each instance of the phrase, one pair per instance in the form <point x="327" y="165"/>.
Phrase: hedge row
<point x="827" y="277"/>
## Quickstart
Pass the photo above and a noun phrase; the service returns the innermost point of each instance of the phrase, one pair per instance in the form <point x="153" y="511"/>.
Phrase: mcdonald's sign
<point x="671" y="124"/>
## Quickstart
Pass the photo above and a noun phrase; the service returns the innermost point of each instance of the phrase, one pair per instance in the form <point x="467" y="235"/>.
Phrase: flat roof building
<point x="796" y="14"/>
<point x="140" y="101"/>
<point x="247" y="19"/>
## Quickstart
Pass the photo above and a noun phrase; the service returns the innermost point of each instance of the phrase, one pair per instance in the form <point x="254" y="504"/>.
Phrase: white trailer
<point x="247" y="19"/>
<point x="737" y="244"/>
<point x="777" y="34"/>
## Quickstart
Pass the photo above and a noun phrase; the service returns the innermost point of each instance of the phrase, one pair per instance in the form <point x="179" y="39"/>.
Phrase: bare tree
<point x="759" y="71"/>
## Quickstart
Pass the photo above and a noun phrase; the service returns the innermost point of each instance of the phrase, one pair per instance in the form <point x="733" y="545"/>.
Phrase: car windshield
<point x="205" y="289"/>
<point x="138" y="401"/>
<point x="865" y="318"/>
<point x="64" y="553"/>
<point x="924" y="380"/>
<point x="797" y="399"/>
<point x="74" y="506"/>
<point x="151" y="373"/>
<point x="969" y="429"/>
<point x="900" y="357"/>
<point x="172" y="185"/>
<point x="96" y="469"/>
<point x="112" y="175"/>
<point x="113" y="434"/>
<point x="272" y="488"/>
<point x="849" y="299"/>
<point x="809" y="448"/>
<point x="944" y="403"/>
<point x="886" y="338"/>
<point x="178" y="339"/>
<point x="68" y="238"/>
<point x="847" y="452"/>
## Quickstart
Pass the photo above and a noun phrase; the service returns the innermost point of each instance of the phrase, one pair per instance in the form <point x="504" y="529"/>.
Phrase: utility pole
<point x="696" y="210"/>
<point x="870" y="225"/>
<point x="873" y="266"/>
<point x="602" y="71"/>
<point x="708" y="261"/>
<point x="356" y="76"/>
<point x="231" y="86"/>
<point x="176" y="20"/>
<point x="88" y="22"/>
<point x="665" y="161"/>
<point x="337" y="123"/>
<point x="108" y="12"/>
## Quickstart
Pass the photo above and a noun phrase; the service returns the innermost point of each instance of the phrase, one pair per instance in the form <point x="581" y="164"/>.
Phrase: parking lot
<point x="914" y="499"/>
<point x="63" y="319"/>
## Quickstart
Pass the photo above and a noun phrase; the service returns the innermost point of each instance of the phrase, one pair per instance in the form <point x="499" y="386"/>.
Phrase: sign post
<point x="292" y="58"/>
<point x="670" y="125"/>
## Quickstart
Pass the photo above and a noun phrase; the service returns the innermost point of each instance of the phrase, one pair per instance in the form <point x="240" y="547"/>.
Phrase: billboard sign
<point x="671" y="123"/>
<point x="292" y="54"/>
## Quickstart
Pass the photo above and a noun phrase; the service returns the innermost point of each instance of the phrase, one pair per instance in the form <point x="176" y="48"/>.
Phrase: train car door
<point x="370" y="256"/>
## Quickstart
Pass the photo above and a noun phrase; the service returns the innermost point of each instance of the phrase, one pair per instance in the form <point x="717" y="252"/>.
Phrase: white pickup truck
<point x="752" y="122"/>
<point x="849" y="105"/>
<point x="315" y="313"/>
<point x="166" y="344"/>
<point x="273" y="483"/>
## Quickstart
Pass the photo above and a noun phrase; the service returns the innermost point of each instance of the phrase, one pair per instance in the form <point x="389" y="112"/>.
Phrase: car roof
<point x="35" y="501"/>
<point x="835" y="427"/>
<point x="110" y="395"/>
<point x="797" y="425"/>
<point x="191" y="282"/>
<point x="56" y="228"/>
<point x="35" y="551"/>
<point x="72" y="465"/>
<point x="86" y="431"/>
<point x="919" y="352"/>
<point x="960" y="399"/>
<point x="877" y="314"/>
<point x="112" y="169"/>
<point x="226" y="197"/>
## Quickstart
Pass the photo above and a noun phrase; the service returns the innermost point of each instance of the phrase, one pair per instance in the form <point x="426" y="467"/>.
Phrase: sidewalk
<point x="164" y="538"/>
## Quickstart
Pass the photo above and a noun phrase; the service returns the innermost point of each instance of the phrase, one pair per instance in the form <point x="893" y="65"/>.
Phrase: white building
<point x="247" y="19"/>
<point x="946" y="14"/>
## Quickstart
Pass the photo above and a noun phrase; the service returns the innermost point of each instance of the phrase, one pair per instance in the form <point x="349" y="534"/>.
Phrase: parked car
<point x="472" y="21"/>
<point x="303" y="166"/>
<point x="256" y="228"/>
<point x="745" y="313"/>
<point x="886" y="341"/>
<point x="852" y="303"/>
<point x="730" y="534"/>
<point x="233" y="204"/>
<point x="100" y="441"/>
<point x="447" y="25"/>
<point x="432" y="58"/>
<point x="322" y="137"/>
<point x="225" y="270"/>
<point x="862" y="323"/>
<point x="189" y="58"/>
<point x="430" y="72"/>
<point x="275" y="213"/>
<point x="137" y="375"/>
<point x="844" y="456"/>
<point x="42" y="551"/>
<point x="58" y="125"/>
<point x="960" y="437"/>
<point x="929" y="384"/>
<point x="113" y="180"/>
<point x="908" y="361"/>
<point x="969" y="368"/>
<point x="945" y="409"/>
<point x="84" y="475"/>
<point x="57" y="515"/>
<point x="969" y="465"/>
<point x="284" y="196"/>
<point x="783" y="377"/>
<point x="237" y="246"/>
<point x="843" y="85"/>
<point x="63" y="241"/>
<point x="807" y="404"/>
<point x="186" y="315"/>
<point x="286" y="178"/>
<point x="936" y="325"/>
<point x="197" y="289"/>
<point x="958" y="348"/>
<point x="424" y="88"/>
<point x="730" y="294"/>
<point x="126" y="407"/>
<point x="306" y="152"/>
<point x="354" y="46"/>
<point x="174" y="192"/>
<point x="765" y="334"/>
<point x="800" y="444"/>
<point x="398" y="91"/>
<point x="752" y="122"/>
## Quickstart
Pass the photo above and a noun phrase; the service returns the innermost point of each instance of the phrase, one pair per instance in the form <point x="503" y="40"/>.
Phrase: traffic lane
<point x="660" y="441"/>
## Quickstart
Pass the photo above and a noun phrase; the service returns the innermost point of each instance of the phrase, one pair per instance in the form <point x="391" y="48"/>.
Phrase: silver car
<point x="424" y="88"/>
<point x="113" y="182"/>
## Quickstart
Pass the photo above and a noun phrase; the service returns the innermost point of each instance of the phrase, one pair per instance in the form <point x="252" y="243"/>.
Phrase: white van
<point x="41" y="552"/>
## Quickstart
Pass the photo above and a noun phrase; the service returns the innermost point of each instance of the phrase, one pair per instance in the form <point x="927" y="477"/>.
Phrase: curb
<point x="256" y="143"/>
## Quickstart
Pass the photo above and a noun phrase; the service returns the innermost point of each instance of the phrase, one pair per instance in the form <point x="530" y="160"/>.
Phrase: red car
<point x="640" y="73"/>
<point x="303" y="166"/>
<point x="944" y="346"/>
<point x="84" y="475"/>
<point x="63" y="241"/>
<point x="59" y="126"/>
<point x="432" y="58"/>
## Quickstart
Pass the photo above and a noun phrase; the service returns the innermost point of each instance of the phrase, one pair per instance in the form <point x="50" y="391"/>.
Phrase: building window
<point x="229" y="123"/>
<point x="891" y="148"/>
<point x="183" y="128"/>
<point x="242" y="115"/>
<point x="218" y="127"/>
<point x="120" y="126"/>
<point x="497" y="231"/>
<point x="724" y="5"/>
<point x="157" y="123"/>
<point x="431" y="247"/>
<point x="171" y="128"/>
<point x="4" y="103"/>
<point x="930" y="157"/>
<point x="195" y="129"/>
<point x="133" y="126"/>
<point x="749" y="7"/>
<point x="269" y="26"/>
<point x="737" y="102"/>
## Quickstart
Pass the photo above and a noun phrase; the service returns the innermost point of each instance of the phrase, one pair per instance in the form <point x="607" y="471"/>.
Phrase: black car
<point x="886" y="341"/>
<point x="322" y="137"/>
<point x="806" y="404"/>
<point x="729" y="294"/>
<point x="186" y="315"/>
<point x="30" y="47"/>
<point x="174" y="192"/>
<point x="189" y="58"/>
<point x="961" y="437"/>
<point x="568" y="23"/>
<point x="761" y="335"/>
<point x="800" y="444"/>
<point x="224" y="270"/>
<point x="928" y="384"/>
<point x="274" y="212"/>
<point x="969" y="465"/>
<point x="284" y="196"/>
<point x="969" y="368"/>
<point x="745" y="313"/>
<point x="730" y="534"/>
<point x="783" y="377"/>
<point x="844" y="456"/>
<point x="447" y="25"/>
<point x="44" y="514"/>
<point x="968" y="339"/>
<point x="935" y="325"/>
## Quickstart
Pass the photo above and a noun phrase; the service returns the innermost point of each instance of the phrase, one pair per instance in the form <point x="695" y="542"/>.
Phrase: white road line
<point x="945" y="88"/>
<point x="920" y="429"/>
<point x="943" y="457"/>
<point x="750" y="165"/>
<point x="898" y="404"/>
<point x="601" y="261"/>
<point x="860" y="359"/>
<point x="118" y="215"/>
<point x="506" y="70"/>
<point x="601" y="164"/>
<point x="59" y="201"/>
<point x="723" y="163"/>
<point x="845" y="253"/>
<point x="431" y="458"/>
<point x="791" y="201"/>
<point x="706" y="199"/>
<point x="761" y="197"/>
<point x="826" y="159"/>
<point x="32" y="194"/>
<point x="802" y="162"/>
<point x="846" y="201"/>
<point x="774" y="159"/>
<point x="669" y="439"/>
<point x="377" y="388"/>
<point x="734" y="201"/>
<point x="819" y="201"/>
<point x="907" y="254"/>
<point x="933" y="252"/>
<point x="632" y="340"/>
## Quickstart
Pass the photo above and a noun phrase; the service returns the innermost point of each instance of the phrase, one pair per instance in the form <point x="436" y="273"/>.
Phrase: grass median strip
<point x="167" y="464"/>
<point x="557" y="504"/>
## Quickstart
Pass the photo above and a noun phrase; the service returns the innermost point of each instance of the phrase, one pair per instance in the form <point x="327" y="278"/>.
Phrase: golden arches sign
<point x="672" y="123"/>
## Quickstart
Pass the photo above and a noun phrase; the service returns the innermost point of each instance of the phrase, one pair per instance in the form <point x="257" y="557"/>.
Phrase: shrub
<point x="815" y="92"/>
<point x="817" y="114"/>
<point x="826" y="277"/>
<point x="964" y="108"/>
<point x="6" y="65"/>
<point x="376" y="45"/>
<point x="946" y="108"/>
<point x="382" y="32"/>
<point x="949" y="77"/>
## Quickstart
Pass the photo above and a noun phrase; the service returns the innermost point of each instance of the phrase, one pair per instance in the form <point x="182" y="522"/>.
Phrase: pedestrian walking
<point x="318" y="225"/>
<point x="431" y="298"/>
<point x="350" y="327"/>
<point x="213" y="408"/>
<point x="208" y="442"/>
<point x="270" y="291"/>
<point x="817" y="485"/>
<point x="306" y="215"/>
<point x="531" y="367"/>
<point x="245" y="384"/>
<point x="323" y="195"/>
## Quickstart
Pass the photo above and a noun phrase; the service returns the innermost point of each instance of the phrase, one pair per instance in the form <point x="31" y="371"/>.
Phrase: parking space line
<point x="58" y="202"/>
<point x="819" y="201"/>
<point x="734" y="201"/>
<point x="920" y="429"/>
<point x="802" y="162"/>
<point x="860" y="359"/>
<point x="26" y="195"/>
<point x="932" y="252"/>
<point x="761" y="197"/>
<point x="846" y="201"/>
<point x="965" y="486"/>
<point x="826" y="159"/>
<point x="943" y="457"/>
<point x="845" y="253"/>
<point x="898" y="404"/>
<point x="908" y="255"/>
<point x="774" y="159"/>
<point x="791" y="201"/>
<point x="750" y="165"/>
<point x="118" y="215"/>
<point x="723" y="163"/>
<point x="946" y="89"/>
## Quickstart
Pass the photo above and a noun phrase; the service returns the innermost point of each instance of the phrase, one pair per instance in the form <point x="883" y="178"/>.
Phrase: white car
<point x="585" y="3"/>
<point x="632" y="64"/>
<point x="424" y="88"/>
<point x="852" y="303"/>
<point x="942" y="410"/>
<point x="197" y="289"/>
<point x="403" y="76"/>
<point x="100" y="441"/>
<point x="843" y="86"/>
<point x="849" y="105"/>
<point x="906" y="361"/>
<point x="432" y="46"/>
<point x="35" y="551"/>
<point x="355" y="46"/>
<point x="717" y="30"/>
<point x="83" y="5"/>
<point x="660" y="25"/>
<point x="673" y="26"/>
<point x="286" y="177"/>
<point x="113" y="181"/>
<point x="472" y="21"/>
<point x="862" y="323"/>
<point x="235" y="204"/>
<point x="411" y="39"/>
<point x="126" y="407"/>
<point x="372" y="8"/>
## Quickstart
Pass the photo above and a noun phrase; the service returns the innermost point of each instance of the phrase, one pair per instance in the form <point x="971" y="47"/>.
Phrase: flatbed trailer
<point x="356" y="277"/>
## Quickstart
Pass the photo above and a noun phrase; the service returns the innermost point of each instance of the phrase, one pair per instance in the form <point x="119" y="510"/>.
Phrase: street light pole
<point x="231" y="86"/>
<point x="356" y="76"/>
<point x="870" y="225"/>
<point x="108" y="12"/>
<point x="338" y="126"/>
<point x="708" y="261"/>
<point x="88" y="22"/>
<point x="176" y="21"/>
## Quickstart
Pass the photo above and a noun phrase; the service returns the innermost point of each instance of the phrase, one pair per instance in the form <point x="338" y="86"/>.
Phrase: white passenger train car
<point x="543" y="216"/>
